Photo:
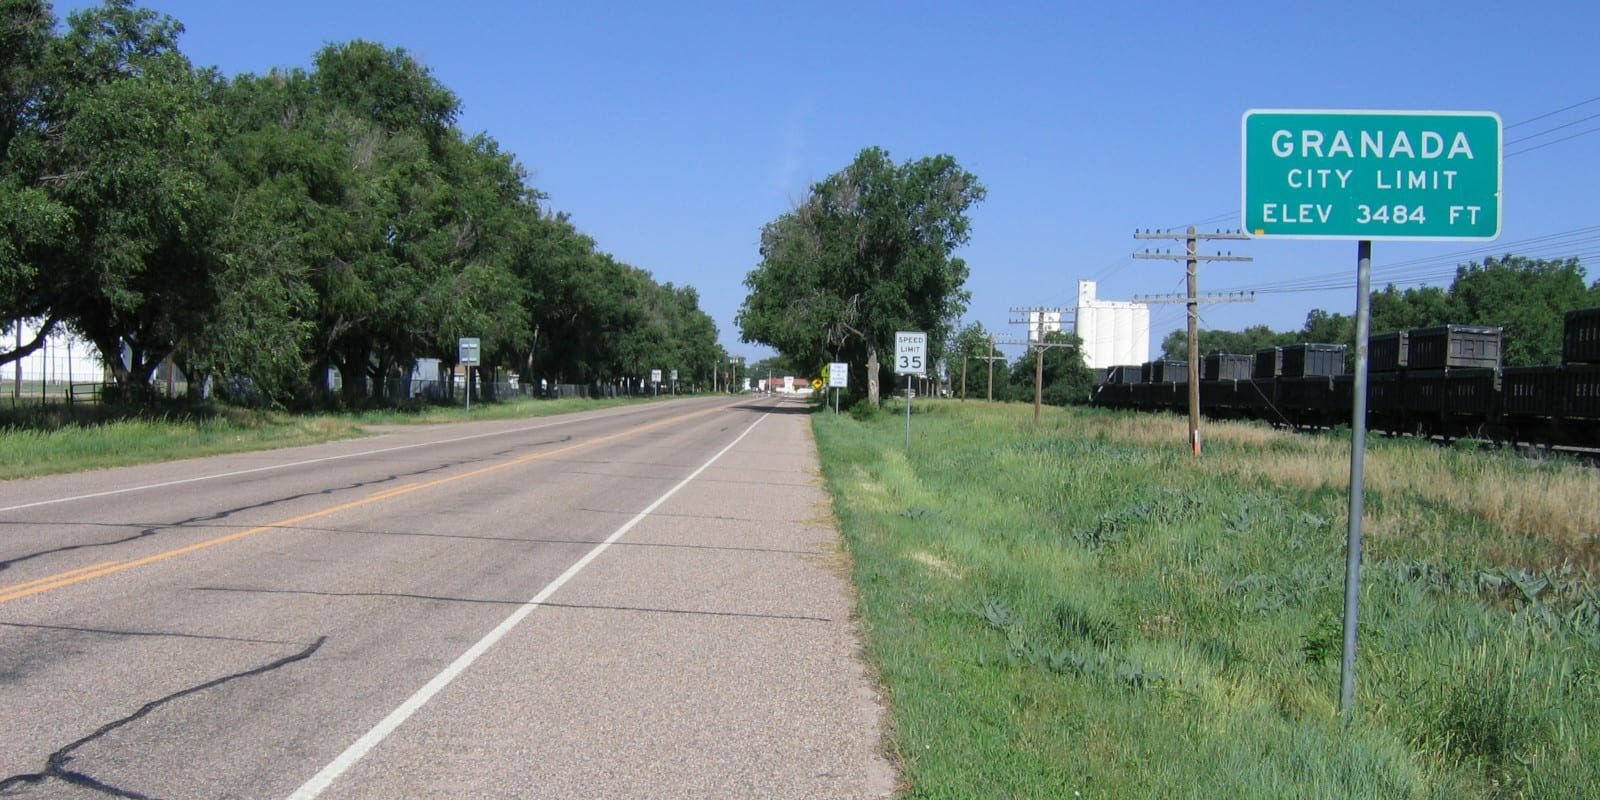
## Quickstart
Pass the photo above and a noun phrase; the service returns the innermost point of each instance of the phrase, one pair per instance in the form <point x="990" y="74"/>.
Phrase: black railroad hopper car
<point x="1452" y="346"/>
<point x="1227" y="367"/>
<point x="1580" y="336"/>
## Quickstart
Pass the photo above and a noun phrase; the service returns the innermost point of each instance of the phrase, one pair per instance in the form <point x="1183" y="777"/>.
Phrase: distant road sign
<point x="655" y="376"/>
<point x="467" y="352"/>
<point x="839" y="375"/>
<point x="674" y="376"/>
<point x="1418" y="175"/>
<point x="816" y="383"/>
<point x="910" y="353"/>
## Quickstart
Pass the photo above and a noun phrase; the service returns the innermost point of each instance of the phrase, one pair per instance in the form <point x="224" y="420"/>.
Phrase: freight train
<point x="1445" y="381"/>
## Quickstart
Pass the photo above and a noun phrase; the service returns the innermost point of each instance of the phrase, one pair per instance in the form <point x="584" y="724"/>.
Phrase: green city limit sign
<point x="1374" y="175"/>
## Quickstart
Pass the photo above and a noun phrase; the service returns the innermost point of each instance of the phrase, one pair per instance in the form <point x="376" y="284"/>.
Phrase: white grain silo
<point x="1112" y="332"/>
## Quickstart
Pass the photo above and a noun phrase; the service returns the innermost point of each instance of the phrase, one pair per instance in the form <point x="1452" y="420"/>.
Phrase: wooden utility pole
<point x="991" y="358"/>
<point x="1038" y="382"/>
<point x="1193" y="259"/>
<point x="1034" y="318"/>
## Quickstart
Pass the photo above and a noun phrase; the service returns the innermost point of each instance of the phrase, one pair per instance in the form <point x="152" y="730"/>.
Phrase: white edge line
<point x="269" y="467"/>
<point x="372" y="738"/>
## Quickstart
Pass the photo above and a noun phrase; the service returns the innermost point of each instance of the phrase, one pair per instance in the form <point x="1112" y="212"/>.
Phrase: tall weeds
<point x="1081" y="606"/>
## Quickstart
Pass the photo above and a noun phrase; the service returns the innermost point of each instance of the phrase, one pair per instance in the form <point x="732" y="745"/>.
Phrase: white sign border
<point x="838" y="378"/>
<point x="1499" y="189"/>
<point x="922" y="373"/>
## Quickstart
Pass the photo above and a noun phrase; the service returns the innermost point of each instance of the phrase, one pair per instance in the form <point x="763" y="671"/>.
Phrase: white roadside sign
<point x="467" y="351"/>
<point x="839" y="375"/>
<point x="910" y="353"/>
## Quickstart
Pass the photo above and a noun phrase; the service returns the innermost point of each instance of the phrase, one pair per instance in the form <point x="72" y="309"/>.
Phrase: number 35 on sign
<point x="910" y="353"/>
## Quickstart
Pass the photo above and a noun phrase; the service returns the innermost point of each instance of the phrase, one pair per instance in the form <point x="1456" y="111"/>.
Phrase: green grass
<point x="45" y="441"/>
<point x="29" y="452"/>
<point x="1082" y="609"/>
<point x="514" y="408"/>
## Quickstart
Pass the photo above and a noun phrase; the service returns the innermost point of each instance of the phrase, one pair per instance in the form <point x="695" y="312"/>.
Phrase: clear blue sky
<point x="672" y="132"/>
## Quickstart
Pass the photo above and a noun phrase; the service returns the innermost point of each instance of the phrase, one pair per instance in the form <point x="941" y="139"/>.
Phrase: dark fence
<point x="399" y="391"/>
<point x="36" y="393"/>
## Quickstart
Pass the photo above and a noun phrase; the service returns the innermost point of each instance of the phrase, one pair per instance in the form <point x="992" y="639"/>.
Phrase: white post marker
<point x="910" y="359"/>
<point x="838" y="378"/>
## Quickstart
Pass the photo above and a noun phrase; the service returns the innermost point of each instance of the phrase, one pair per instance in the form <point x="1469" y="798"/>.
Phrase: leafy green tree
<point x="421" y="251"/>
<point x="866" y="254"/>
<point x="127" y="154"/>
<point x="558" y="267"/>
<point x="1067" y="380"/>
<point x="970" y="347"/>
<point x="1247" y="341"/>
<point x="1527" y="298"/>
<point x="1416" y="307"/>
<point x="1329" y="328"/>
<point x="475" y="290"/>
<point x="268" y="228"/>
<point x="33" y="222"/>
<point x="790" y="305"/>
<point x="271" y="187"/>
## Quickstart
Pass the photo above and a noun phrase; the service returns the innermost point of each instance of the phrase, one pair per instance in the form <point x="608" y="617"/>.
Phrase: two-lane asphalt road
<point x="636" y="602"/>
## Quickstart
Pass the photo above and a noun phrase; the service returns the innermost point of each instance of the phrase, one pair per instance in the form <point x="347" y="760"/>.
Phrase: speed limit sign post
<point x="910" y="360"/>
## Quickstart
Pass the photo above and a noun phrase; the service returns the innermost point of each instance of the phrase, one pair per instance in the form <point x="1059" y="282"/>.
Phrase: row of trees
<point x="1526" y="297"/>
<point x="271" y="227"/>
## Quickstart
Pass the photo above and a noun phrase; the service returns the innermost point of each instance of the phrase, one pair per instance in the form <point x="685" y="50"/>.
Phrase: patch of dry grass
<point x="935" y="564"/>
<point x="1555" y="504"/>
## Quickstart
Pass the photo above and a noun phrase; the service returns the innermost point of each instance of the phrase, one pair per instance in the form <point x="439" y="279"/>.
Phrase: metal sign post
<point x="1358" y="454"/>
<point x="908" y="413"/>
<point x="467" y="355"/>
<point x="1364" y="176"/>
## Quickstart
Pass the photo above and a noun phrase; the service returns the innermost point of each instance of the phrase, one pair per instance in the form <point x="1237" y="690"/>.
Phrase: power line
<point x="1105" y="272"/>
<point x="1553" y="113"/>
<point x="1441" y="266"/>
<point x="1213" y="219"/>
<point x="1548" y="131"/>
<point x="1427" y="269"/>
<point x="1553" y="141"/>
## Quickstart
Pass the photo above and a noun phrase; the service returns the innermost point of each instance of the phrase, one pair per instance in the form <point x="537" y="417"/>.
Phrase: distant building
<point x="1112" y="332"/>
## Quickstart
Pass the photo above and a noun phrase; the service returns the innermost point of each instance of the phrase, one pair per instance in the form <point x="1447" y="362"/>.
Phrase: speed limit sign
<point x="910" y="353"/>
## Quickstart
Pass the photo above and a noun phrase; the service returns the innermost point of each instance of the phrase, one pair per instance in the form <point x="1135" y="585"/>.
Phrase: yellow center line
<point x="58" y="576"/>
<point x="81" y="574"/>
